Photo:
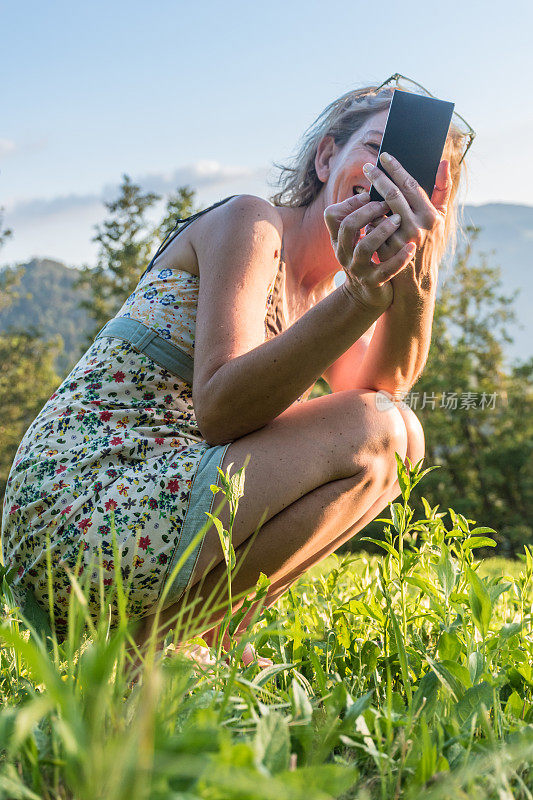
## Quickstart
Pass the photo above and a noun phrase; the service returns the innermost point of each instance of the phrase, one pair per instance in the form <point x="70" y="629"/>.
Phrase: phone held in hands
<point x="415" y="134"/>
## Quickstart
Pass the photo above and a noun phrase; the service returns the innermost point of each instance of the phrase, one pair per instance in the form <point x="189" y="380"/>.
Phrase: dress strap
<point x="187" y="220"/>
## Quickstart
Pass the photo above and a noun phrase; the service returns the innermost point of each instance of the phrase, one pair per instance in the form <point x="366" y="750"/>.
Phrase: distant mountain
<point x="506" y="237"/>
<point x="507" y="230"/>
<point x="52" y="306"/>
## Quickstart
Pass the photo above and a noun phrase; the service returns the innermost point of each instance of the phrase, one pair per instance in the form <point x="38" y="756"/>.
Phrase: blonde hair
<point x="300" y="185"/>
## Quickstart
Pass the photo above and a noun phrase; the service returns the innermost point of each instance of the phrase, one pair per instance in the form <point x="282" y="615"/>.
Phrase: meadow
<point x="396" y="675"/>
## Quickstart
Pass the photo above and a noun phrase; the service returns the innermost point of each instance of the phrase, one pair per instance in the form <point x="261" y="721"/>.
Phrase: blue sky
<point x="211" y="93"/>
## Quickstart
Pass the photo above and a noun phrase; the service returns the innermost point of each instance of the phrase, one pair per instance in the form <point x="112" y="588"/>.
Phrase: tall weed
<point x="392" y="675"/>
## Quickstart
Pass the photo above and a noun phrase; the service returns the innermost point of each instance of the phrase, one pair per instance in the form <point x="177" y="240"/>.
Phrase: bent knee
<point x="401" y="433"/>
<point x="416" y="442"/>
<point x="388" y="435"/>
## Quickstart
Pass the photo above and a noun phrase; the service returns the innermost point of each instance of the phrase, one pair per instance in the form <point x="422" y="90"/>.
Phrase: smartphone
<point x="415" y="134"/>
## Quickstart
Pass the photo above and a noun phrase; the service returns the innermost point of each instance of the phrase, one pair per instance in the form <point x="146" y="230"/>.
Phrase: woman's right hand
<point x="367" y="283"/>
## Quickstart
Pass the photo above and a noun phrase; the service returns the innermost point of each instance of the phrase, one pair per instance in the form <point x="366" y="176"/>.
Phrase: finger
<point x="335" y="213"/>
<point x="388" y="269"/>
<point x="410" y="188"/>
<point x="368" y="245"/>
<point x="389" y="191"/>
<point x="374" y="223"/>
<point x="359" y="212"/>
<point x="375" y="258"/>
<point x="384" y="252"/>
<point x="349" y="231"/>
<point x="443" y="187"/>
<point x="393" y="244"/>
<point x="389" y="248"/>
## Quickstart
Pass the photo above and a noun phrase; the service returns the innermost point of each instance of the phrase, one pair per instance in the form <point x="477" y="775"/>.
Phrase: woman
<point x="246" y="287"/>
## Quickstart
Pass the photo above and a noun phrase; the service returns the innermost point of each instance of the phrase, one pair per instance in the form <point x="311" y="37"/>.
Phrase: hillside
<point x="48" y="300"/>
<point x="508" y="231"/>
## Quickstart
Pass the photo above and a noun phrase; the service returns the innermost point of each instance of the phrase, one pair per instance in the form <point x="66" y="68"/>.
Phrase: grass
<point x="401" y="675"/>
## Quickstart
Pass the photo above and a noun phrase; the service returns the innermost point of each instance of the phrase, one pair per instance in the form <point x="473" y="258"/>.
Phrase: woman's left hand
<point x="422" y="219"/>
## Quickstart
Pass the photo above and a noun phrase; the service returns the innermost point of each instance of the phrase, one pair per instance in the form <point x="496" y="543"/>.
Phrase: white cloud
<point x="63" y="226"/>
<point x="39" y="207"/>
<point x="7" y="146"/>
<point x="202" y="175"/>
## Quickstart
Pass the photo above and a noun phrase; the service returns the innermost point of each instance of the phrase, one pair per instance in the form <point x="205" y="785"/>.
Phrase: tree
<point x="126" y="240"/>
<point x="27" y="376"/>
<point x="178" y="206"/>
<point x="46" y="286"/>
<point x="27" y="379"/>
<point x="9" y="279"/>
<point x="477" y="413"/>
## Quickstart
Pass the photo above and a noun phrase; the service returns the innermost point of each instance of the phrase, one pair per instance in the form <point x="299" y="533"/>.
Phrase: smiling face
<point x="341" y="169"/>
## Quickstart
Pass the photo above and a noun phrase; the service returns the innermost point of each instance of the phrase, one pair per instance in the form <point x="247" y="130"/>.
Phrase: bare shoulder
<point x="251" y="203"/>
<point x="246" y="223"/>
<point x="244" y="211"/>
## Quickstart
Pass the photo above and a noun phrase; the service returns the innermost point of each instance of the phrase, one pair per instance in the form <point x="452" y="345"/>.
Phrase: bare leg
<point x="415" y="451"/>
<point x="292" y="518"/>
<point x="341" y="445"/>
<point x="284" y="542"/>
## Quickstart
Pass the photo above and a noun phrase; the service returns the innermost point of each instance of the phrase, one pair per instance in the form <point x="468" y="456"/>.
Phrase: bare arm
<point x="342" y="374"/>
<point x="392" y="354"/>
<point x="251" y="390"/>
<point x="398" y="349"/>
<point x="241" y="382"/>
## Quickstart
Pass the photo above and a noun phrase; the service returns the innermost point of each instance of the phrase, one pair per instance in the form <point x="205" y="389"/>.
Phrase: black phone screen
<point x="415" y="134"/>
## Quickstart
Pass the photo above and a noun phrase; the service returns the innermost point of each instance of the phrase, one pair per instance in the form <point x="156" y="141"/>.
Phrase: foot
<point x="203" y="658"/>
<point x="200" y="655"/>
<point x="249" y="656"/>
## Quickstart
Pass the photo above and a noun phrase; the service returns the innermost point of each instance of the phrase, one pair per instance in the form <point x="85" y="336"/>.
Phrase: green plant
<point x="394" y="675"/>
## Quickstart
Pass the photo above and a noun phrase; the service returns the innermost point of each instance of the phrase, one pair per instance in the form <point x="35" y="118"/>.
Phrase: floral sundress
<point x="117" y="444"/>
